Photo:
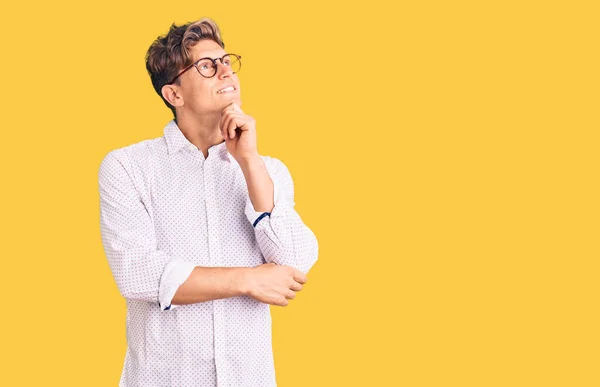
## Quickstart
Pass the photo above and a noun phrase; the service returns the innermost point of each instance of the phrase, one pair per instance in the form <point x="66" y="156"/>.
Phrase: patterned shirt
<point x="164" y="209"/>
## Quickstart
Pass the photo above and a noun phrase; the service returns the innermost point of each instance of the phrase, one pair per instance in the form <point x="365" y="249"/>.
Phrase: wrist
<point x="244" y="280"/>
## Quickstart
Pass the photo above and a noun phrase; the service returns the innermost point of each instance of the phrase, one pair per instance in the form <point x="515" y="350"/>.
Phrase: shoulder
<point x="134" y="156"/>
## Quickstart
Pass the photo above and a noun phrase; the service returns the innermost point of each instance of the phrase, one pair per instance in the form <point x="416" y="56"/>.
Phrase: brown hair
<point x="170" y="53"/>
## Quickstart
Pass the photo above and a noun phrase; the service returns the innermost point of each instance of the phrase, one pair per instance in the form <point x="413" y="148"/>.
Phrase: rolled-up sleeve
<point x="141" y="271"/>
<point x="281" y="234"/>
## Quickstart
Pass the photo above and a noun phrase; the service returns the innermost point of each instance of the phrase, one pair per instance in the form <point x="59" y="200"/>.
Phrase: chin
<point x="235" y="99"/>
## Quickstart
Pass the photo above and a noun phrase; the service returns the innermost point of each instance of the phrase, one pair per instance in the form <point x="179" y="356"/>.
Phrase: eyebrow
<point x="209" y="56"/>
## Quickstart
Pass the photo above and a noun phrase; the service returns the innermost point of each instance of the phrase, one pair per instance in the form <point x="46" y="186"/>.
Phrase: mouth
<point x="228" y="89"/>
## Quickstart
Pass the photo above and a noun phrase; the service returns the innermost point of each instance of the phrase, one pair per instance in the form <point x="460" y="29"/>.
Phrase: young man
<point x="200" y="231"/>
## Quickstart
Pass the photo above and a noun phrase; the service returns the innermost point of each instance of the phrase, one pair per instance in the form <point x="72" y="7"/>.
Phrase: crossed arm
<point x="144" y="273"/>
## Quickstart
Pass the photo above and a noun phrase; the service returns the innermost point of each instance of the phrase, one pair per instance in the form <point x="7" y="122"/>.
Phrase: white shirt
<point x="165" y="209"/>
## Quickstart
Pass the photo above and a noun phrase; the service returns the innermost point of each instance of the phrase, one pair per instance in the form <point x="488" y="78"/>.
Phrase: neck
<point x="201" y="130"/>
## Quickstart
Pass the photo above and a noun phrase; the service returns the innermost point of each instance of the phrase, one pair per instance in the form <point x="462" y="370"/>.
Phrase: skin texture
<point x="207" y="118"/>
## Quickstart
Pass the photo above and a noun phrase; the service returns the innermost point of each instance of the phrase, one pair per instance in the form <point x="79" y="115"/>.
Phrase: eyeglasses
<point x="207" y="67"/>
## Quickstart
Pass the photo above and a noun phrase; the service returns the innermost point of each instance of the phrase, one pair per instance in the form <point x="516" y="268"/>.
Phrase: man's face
<point x="199" y="94"/>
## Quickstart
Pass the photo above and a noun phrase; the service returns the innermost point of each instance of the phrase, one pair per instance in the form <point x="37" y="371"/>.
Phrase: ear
<point x="171" y="93"/>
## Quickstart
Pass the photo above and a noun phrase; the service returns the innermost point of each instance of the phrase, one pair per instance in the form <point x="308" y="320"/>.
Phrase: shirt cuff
<point x="255" y="217"/>
<point x="175" y="274"/>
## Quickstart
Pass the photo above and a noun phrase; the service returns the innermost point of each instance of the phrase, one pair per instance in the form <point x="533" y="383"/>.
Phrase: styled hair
<point x="170" y="53"/>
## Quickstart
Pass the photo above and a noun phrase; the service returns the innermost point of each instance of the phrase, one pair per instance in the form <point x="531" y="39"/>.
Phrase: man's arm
<point x="141" y="271"/>
<point x="281" y="234"/>
<point x="259" y="183"/>
<point x="269" y="283"/>
<point x="211" y="283"/>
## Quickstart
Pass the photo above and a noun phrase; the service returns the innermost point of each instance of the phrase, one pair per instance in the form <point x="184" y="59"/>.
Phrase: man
<point x="200" y="231"/>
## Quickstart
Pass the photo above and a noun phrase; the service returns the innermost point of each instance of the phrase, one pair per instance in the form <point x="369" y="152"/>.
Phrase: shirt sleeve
<point x="281" y="234"/>
<point x="141" y="271"/>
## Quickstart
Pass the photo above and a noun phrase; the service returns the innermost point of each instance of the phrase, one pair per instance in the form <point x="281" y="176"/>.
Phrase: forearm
<point x="282" y="236"/>
<point x="212" y="283"/>
<point x="259" y="183"/>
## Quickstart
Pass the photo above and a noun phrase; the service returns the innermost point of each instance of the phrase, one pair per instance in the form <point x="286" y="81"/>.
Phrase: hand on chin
<point x="239" y="131"/>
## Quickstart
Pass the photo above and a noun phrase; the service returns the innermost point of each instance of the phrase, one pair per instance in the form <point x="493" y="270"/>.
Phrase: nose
<point x="223" y="71"/>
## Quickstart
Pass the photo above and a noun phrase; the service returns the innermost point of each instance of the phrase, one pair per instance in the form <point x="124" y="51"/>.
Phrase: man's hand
<point x="239" y="132"/>
<point x="273" y="284"/>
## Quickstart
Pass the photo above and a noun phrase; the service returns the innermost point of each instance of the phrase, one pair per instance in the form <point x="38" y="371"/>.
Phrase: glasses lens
<point x="207" y="68"/>
<point x="233" y="61"/>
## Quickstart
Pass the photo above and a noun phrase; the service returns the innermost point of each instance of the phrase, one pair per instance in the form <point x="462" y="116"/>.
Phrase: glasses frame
<point x="214" y="60"/>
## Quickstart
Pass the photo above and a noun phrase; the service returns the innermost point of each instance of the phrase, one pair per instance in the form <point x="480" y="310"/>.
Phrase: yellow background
<point x="444" y="153"/>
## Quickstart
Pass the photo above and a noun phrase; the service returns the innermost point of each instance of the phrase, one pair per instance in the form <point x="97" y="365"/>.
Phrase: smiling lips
<point x="227" y="89"/>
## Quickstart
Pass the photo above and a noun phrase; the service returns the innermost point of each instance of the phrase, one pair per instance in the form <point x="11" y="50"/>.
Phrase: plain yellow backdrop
<point x="444" y="153"/>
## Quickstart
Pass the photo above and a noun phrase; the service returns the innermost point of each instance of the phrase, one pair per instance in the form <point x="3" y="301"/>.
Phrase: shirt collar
<point x="176" y="141"/>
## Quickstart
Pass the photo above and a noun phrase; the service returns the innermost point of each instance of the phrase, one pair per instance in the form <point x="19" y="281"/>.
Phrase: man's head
<point x="191" y="92"/>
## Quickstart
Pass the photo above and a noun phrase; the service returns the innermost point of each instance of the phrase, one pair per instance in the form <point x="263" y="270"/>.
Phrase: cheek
<point x="200" y="95"/>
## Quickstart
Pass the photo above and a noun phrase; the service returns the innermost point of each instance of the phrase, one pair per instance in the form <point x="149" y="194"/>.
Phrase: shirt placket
<point x="214" y="248"/>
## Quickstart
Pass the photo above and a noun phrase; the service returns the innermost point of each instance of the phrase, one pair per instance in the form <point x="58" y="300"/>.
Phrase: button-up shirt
<point x="164" y="209"/>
